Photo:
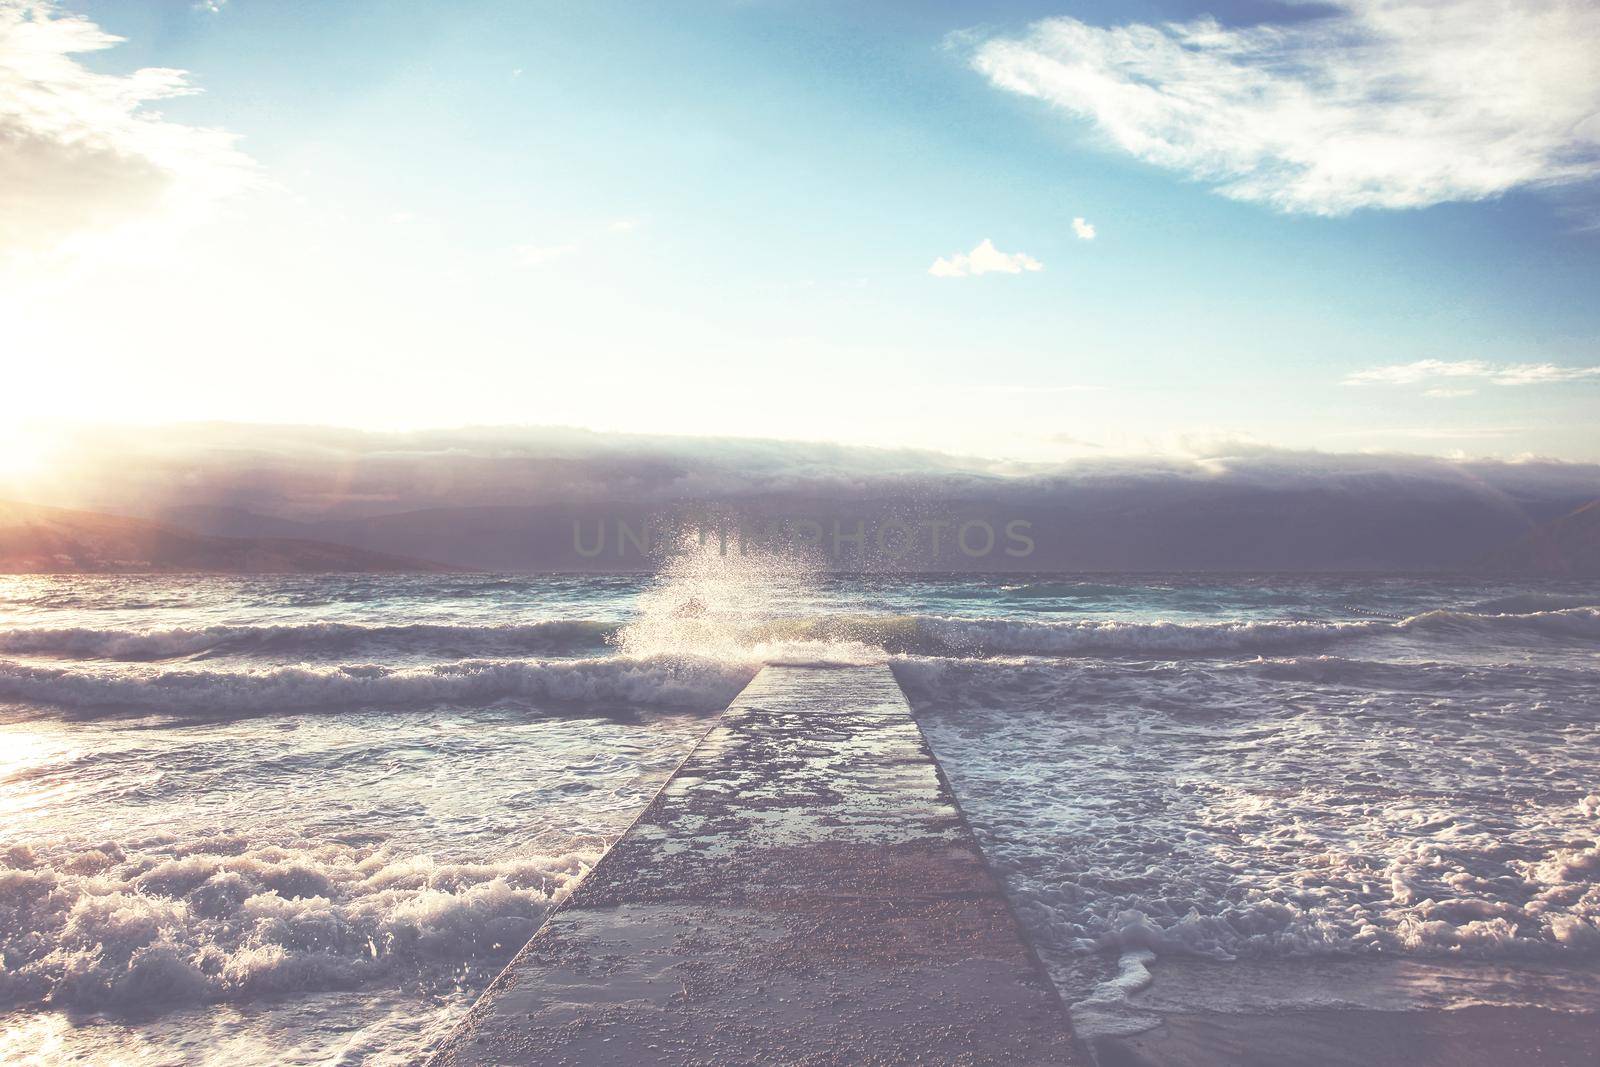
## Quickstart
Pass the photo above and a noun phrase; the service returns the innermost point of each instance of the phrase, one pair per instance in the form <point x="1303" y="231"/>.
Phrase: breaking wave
<point x="988" y="637"/>
<point x="1044" y="685"/>
<point x="138" y="924"/>
<point x="616" y="680"/>
<point x="1530" y="603"/>
<point x="843" y="638"/>
<point x="944" y="635"/>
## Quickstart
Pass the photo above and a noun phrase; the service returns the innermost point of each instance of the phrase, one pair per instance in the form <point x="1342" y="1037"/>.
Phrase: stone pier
<point x="803" y="890"/>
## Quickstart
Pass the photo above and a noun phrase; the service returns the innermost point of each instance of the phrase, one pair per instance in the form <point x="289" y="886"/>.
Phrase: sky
<point x="1023" y="231"/>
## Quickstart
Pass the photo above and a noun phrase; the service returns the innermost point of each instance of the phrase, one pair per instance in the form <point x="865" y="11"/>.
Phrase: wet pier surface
<point x="802" y="891"/>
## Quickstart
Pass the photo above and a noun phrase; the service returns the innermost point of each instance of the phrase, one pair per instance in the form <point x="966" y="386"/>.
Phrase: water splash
<point x="721" y="603"/>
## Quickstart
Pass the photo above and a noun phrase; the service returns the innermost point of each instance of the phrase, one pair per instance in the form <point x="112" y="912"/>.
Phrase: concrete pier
<point x="803" y="890"/>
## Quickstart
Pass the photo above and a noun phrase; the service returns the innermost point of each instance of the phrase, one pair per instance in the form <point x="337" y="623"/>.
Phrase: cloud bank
<point x="300" y="471"/>
<point x="507" y="498"/>
<point x="1380" y="104"/>
<point x="80" y="152"/>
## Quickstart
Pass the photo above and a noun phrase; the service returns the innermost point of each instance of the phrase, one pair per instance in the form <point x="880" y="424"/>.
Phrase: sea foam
<point x="132" y="925"/>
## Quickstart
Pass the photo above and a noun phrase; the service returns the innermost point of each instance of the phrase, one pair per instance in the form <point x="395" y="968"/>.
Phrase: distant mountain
<point x="1569" y="545"/>
<point x="43" y="540"/>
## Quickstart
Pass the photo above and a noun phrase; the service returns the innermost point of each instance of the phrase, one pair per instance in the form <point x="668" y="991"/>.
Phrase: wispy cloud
<point x="79" y="152"/>
<point x="1378" y="104"/>
<point x="1083" y="228"/>
<point x="984" y="259"/>
<point x="1494" y="373"/>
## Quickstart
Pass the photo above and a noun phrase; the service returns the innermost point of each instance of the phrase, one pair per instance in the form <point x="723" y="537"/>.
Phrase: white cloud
<point x="1494" y="373"/>
<point x="1539" y="373"/>
<point x="1083" y="228"/>
<point x="1411" y="373"/>
<point x="1448" y="394"/>
<point x="625" y="224"/>
<point x="984" y="259"/>
<point x="1380" y="104"/>
<point x="213" y="6"/>
<point x="80" y="156"/>
<point x="541" y="255"/>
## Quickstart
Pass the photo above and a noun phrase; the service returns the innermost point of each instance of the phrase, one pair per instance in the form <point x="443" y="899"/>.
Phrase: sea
<point x="306" y="819"/>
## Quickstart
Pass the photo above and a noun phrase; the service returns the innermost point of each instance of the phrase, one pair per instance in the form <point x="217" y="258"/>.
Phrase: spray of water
<point x="720" y="603"/>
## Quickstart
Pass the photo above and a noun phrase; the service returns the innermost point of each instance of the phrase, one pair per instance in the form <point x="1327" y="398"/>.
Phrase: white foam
<point x="1106" y="1011"/>
<point x="732" y="607"/>
<point x="161" y="922"/>
<point x="1276" y="808"/>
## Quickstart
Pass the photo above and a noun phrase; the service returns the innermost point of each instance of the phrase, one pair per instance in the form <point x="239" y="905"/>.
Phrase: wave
<point x="1527" y="681"/>
<point x="1054" y="590"/>
<point x="967" y="636"/>
<point x="612" y="680"/>
<point x="1530" y="603"/>
<point x="819" y="638"/>
<point x="1200" y="689"/>
<point x="550" y="637"/>
<point x="985" y="637"/>
<point x="133" y="925"/>
<point x="949" y="635"/>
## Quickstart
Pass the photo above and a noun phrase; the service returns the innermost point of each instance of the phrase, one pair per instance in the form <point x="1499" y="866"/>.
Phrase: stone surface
<point x="802" y="890"/>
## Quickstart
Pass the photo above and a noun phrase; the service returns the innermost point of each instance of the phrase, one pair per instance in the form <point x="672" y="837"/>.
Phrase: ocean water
<point x="306" y="819"/>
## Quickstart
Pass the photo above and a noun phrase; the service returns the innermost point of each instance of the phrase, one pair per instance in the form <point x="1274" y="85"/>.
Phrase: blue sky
<point x="721" y="217"/>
